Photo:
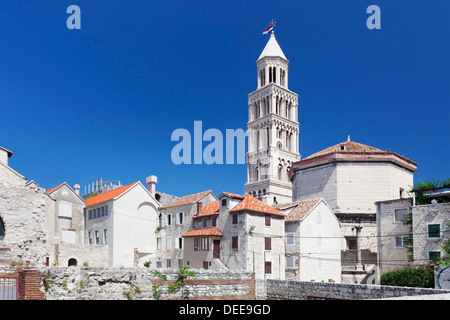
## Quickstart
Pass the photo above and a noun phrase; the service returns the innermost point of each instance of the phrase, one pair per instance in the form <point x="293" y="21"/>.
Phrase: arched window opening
<point x="2" y="230"/>
<point x="72" y="262"/>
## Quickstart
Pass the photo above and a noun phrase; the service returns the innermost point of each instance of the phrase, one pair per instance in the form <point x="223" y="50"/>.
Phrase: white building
<point x="314" y="241"/>
<point x="125" y="219"/>
<point x="351" y="177"/>
<point x="273" y="128"/>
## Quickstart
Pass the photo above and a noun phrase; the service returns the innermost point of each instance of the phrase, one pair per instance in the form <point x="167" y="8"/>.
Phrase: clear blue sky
<point x="77" y="105"/>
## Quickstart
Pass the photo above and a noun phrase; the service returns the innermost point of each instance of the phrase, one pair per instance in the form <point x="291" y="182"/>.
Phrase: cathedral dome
<point x="347" y="147"/>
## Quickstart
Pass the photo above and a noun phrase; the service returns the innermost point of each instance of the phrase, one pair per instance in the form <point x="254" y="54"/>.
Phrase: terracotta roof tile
<point x="233" y="195"/>
<point x="347" y="147"/>
<point x="54" y="188"/>
<point x="300" y="208"/>
<point x="210" y="209"/>
<point x="252" y="204"/>
<point x="189" y="199"/>
<point x="203" y="233"/>
<point x="108" y="195"/>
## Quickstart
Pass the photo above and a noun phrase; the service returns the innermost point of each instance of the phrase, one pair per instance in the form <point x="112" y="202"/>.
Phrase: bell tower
<point x="273" y="128"/>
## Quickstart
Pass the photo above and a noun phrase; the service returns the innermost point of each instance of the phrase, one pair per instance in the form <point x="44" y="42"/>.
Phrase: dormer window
<point x="342" y="148"/>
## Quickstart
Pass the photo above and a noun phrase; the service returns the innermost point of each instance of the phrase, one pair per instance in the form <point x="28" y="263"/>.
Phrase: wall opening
<point x="72" y="262"/>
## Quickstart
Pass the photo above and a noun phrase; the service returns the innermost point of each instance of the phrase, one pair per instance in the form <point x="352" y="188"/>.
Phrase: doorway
<point x="216" y="249"/>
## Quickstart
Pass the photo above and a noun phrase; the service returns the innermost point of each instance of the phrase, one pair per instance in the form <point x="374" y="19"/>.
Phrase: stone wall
<point x="76" y="283"/>
<point x="22" y="210"/>
<point x="301" y="290"/>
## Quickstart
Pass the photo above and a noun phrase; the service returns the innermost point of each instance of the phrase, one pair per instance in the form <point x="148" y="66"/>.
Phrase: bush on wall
<point x="418" y="277"/>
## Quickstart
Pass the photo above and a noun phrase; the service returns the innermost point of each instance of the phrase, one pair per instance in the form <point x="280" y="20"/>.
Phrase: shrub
<point x="418" y="277"/>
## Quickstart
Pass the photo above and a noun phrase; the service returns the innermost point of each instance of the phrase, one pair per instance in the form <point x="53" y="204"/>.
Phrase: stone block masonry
<point x="303" y="290"/>
<point x="77" y="283"/>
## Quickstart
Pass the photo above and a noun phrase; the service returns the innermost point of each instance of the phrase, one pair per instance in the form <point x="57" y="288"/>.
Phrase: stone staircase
<point x="220" y="264"/>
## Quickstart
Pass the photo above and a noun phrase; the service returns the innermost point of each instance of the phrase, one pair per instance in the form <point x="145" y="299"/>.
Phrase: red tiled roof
<point x="300" y="210"/>
<point x="347" y="147"/>
<point x="252" y="204"/>
<point x="203" y="233"/>
<point x="189" y="199"/>
<point x="210" y="209"/>
<point x="54" y="188"/>
<point x="233" y="195"/>
<point x="108" y="195"/>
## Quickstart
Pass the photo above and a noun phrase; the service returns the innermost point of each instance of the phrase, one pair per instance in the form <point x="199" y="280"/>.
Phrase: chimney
<point x="151" y="183"/>
<point x="199" y="208"/>
<point x="4" y="155"/>
<point x="77" y="189"/>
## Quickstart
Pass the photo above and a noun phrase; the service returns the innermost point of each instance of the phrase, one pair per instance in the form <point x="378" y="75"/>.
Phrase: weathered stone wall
<point x="22" y="210"/>
<point x="301" y="290"/>
<point x="424" y="215"/>
<point x="76" y="283"/>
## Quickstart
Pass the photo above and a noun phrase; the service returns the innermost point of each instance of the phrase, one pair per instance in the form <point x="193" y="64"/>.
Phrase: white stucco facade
<point x="128" y="226"/>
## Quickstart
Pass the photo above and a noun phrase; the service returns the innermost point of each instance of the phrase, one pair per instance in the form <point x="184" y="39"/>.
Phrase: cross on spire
<point x="272" y="23"/>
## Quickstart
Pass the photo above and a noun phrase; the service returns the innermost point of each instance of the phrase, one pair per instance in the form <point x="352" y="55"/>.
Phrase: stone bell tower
<point x="273" y="129"/>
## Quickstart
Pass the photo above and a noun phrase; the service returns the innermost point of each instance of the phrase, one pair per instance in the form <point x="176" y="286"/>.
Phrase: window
<point x="97" y="238"/>
<point x="289" y="261"/>
<point x="205" y="244"/>
<point x="401" y="215"/>
<point x="158" y="264"/>
<point x="179" y="243"/>
<point x="319" y="218"/>
<point x="2" y="230"/>
<point x="89" y="237"/>
<point x="434" y="255"/>
<point x="105" y="235"/>
<point x="224" y="202"/>
<point x="106" y="210"/>
<point x="235" y="243"/>
<point x="267" y="267"/>
<point x="102" y="211"/>
<point x="267" y="218"/>
<point x="320" y="263"/>
<point x="234" y="217"/>
<point x="158" y="243"/>
<point x="90" y="214"/>
<point x="169" y="263"/>
<point x="214" y="221"/>
<point x="168" y="220"/>
<point x="180" y="217"/>
<point x="351" y="243"/>
<point x="68" y="236"/>
<point x="434" y="231"/>
<point x="65" y="209"/>
<point x="290" y="238"/>
<point x="319" y="240"/>
<point x="196" y="244"/>
<point x="401" y="241"/>
<point x="180" y="262"/>
<point x="268" y="243"/>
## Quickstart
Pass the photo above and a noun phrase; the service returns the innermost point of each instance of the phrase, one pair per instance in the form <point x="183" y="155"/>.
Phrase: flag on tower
<point x="268" y="30"/>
